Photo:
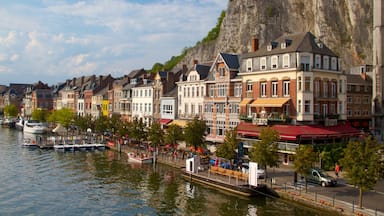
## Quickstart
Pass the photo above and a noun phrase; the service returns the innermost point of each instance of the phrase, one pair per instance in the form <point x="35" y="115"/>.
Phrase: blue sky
<point x="52" y="41"/>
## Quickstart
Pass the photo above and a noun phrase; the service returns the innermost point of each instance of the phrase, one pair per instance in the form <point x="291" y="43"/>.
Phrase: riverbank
<point x="281" y="182"/>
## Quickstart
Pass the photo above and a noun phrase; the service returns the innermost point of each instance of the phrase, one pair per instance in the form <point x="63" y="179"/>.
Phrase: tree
<point x="173" y="134"/>
<point x="10" y="111"/>
<point x="40" y="115"/>
<point x="84" y="122"/>
<point x="303" y="162"/>
<point x="156" y="137"/>
<point x="194" y="133"/>
<point x="363" y="164"/>
<point x="264" y="152"/>
<point x="137" y="130"/>
<point x="227" y="149"/>
<point x="63" y="116"/>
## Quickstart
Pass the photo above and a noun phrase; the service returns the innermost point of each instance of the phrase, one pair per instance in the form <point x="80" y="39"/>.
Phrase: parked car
<point x="245" y="169"/>
<point x="320" y="177"/>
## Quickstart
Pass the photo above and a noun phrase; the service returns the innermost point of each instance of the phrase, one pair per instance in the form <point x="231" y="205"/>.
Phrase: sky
<point x="55" y="40"/>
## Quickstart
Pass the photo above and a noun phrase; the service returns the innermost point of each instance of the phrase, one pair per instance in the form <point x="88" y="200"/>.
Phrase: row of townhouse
<point x="294" y="83"/>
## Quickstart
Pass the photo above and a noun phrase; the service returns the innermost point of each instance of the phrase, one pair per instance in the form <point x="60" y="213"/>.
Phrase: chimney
<point x="255" y="44"/>
<point x="195" y="62"/>
<point x="100" y="80"/>
<point x="74" y="81"/>
<point x="82" y="80"/>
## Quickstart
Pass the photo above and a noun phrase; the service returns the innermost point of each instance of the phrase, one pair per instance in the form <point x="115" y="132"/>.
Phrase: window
<point x="220" y="108"/>
<point x="334" y="63"/>
<point x="325" y="89"/>
<point x="286" y="88"/>
<point x="333" y="89"/>
<point x="222" y="90"/>
<point x="307" y="106"/>
<point x="193" y="91"/>
<point x="237" y="91"/>
<point x="274" y="89"/>
<point x="349" y="87"/>
<point x="249" y="65"/>
<point x="263" y="63"/>
<point x="197" y="92"/>
<point x="299" y="81"/>
<point x="357" y="88"/>
<point x="192" y="108"/>
<point x="349" y="99"/>
<point x="341" y="107"/>
<point x="366" y="99"/>
<point x="188" y="92"/>
<point x="307" y="86"/>
<point x="263" y="89"/>
<point x="274" y="62"/>
<point x="211" y="90"/>
<point x="221" y="71"/>
<point x="299" y="106"/>
<point x="286" y="61"/>
<point x="326" y="63"/>
<point x="249" y="86"/>
<point x="325" y="110"/>
<point x="305" y="62"/>
<point x="318" y="61"/>
<point x="349" y="112"/>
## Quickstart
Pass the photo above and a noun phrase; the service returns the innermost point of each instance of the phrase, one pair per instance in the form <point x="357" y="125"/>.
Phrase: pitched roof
<point x="357" y="79"/>
<point x="231" y="60"/>
<point x="298" y="42"/>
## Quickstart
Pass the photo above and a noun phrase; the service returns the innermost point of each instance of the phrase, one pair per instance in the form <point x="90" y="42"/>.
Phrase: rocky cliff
<point x="343" y="25"/>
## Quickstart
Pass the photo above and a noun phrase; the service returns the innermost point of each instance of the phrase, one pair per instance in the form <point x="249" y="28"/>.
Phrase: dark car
<point x="319" y="177"/>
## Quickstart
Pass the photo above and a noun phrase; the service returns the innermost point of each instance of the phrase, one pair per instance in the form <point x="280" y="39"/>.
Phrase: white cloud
<point x="60" y="39"/>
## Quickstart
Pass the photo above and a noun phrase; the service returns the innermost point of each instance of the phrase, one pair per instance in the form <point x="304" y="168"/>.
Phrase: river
<point x="45" y="182"/>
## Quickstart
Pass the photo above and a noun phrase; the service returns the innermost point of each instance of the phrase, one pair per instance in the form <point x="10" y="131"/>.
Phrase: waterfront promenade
<point x="342" y="198"/>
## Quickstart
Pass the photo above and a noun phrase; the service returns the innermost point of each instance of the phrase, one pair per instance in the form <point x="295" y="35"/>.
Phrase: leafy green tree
<point x="173" y="134"/>
<point x="64" y="116"/>
<point x="10" y="111"/>
<point x="84" y="122"/>
<point x="137" y="130"/>
<point x="102" y="124"/>
<point x="303" y="161"/>
<point x="194" y="133"/>
<point x="214" y="33"/>
<point x="40" y="115"/>
<point x="264" y="152"/>
<point x="228" y="147"/>
<point x="156" y="137"/>
<point x="363" y="164"/>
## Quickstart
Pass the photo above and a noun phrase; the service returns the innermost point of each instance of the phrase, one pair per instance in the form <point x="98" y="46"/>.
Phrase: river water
<point x="45" y="182"/>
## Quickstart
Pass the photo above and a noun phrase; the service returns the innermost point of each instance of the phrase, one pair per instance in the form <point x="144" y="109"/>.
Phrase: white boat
<point x="34" y="127"/>
<point x="20" y="124"/>
<point x="142" y="158"/>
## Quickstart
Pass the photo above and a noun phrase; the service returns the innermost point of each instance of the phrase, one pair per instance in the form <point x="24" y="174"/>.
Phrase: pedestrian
<point x="337" y="169"/>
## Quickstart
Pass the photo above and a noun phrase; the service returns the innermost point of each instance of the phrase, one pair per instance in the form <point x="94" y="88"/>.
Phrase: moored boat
<point x="28" y="142"/>
<point x="139" y="158"/>
<point x="34" y="127"/>
<point x="20" y="124"/>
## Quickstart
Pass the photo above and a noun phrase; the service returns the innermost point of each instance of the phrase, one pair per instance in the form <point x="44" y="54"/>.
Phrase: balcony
<point x="268" y="118"/>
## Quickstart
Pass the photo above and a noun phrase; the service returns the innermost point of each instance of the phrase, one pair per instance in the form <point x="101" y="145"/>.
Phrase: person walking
<point x="337" y="169"/>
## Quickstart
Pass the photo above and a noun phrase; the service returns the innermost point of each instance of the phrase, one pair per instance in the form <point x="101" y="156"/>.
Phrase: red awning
<point x="165" y="121"/>
<point x="248" y="129"/>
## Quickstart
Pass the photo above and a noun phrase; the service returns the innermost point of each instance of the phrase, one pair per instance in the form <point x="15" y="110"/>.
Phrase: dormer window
<point x="318" y="61"/>
<point x="283" y="45"/>
<point x="274" y="62"/>
<point x="263" y="63"/>
<point x="249" y="65"/>
<point x="269" y="47"/>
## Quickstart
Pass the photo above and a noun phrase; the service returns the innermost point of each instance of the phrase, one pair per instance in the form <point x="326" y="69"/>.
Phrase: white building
<point x="142" y="102"/>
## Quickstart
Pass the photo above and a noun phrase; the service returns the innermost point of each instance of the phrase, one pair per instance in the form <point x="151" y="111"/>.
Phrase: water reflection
<point x="45" y="182"/>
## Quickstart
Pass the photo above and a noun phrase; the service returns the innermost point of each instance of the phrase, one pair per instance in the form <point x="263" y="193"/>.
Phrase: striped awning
<point x="245" y="101"/>
<point x="270" y="102"/>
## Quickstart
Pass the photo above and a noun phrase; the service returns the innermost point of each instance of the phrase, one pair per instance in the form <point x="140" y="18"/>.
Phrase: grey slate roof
<point x="231" y="60"/>
<point x="298" y="42"/>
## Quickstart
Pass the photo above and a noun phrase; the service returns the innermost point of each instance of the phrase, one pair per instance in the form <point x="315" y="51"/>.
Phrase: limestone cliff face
<point x="343" y="25"/>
